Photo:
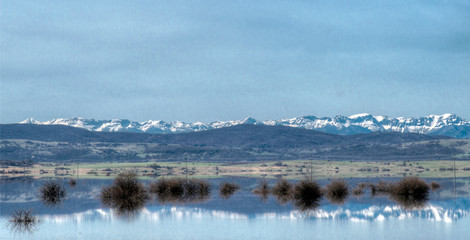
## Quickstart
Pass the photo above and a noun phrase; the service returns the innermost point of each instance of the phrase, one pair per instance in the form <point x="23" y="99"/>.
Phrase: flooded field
<point x="235" y="213"/>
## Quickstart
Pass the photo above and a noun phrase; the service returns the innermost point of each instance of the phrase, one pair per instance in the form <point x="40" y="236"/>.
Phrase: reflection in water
<point x="282" y="191"/>
<point x="52" y="193"/>
<point x="262" y="190"/>
<point x="337" y="191"/>
<point x="226" y="189"/>
<point x="307" y="195"/>
<point x="126" y="195"/>
<point x="435" y="212"/>
<point x="180" y="191"/>
<point x="23" y="220"/>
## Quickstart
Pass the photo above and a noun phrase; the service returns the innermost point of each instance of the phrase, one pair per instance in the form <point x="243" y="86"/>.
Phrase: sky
<point x="225" y="60"/>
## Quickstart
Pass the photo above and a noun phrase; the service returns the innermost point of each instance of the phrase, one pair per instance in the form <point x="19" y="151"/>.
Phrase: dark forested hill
<point x="56" y="142"/>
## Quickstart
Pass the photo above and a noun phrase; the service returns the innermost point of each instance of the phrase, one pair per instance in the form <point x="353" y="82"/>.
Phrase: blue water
<point x="243" y="216"/>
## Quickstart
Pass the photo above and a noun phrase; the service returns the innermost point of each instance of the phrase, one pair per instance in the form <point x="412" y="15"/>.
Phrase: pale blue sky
<point x="223" y="60"/>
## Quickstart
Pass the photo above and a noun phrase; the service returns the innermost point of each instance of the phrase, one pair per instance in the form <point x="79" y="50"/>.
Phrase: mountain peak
<point x="360" y="115"/>
<point x="30" y="121"/>
<point x="250" y="120"/>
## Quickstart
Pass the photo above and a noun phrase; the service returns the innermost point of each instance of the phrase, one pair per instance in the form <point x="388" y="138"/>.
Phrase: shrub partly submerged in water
<point x="307" y="195"/>
<point x="282" y="191"/>
<point x="125" y="195"/>
<point x="178" y="190"/>
<point x="262" y="190"/>
<point x="337" y="191"/>
<point x="410" y="192"/>
<point x="226" y="189"/>
<point x="52" y="193"/>
<point x="359" y="190"/>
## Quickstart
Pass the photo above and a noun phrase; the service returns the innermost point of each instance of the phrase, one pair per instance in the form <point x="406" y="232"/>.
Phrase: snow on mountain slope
<point x="446" y="124"/>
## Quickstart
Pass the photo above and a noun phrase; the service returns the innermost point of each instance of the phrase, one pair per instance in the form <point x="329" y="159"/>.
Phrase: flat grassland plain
<point x="291" y="169"/>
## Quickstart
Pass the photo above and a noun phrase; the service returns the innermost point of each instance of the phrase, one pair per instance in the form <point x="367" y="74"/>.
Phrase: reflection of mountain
<point x="442" y="211"/>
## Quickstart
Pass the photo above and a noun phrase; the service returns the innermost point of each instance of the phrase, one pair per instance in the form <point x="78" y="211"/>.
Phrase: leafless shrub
<point x="410" y="192"/>
<point x="126" y="195"/>
<point x="282" y="191"/>
<point x="262" y="190"/>
<point x="226" y="189"/>
<point x="178" y="190"/>
<point x="307" y="195"/>
<point x="337" y="191"/>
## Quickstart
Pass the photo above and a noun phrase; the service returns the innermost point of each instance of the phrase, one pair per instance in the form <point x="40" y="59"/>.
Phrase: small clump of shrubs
<point x="282" y="191"/>
<point x="125" y="195"/>
<point x="226" y="189"/>
<point x="52" y="193"/>
<point x="381" y="187"/>
<point x="262" y="190"/>
<point x="337" y="191"/>
<point x="178" y="190"/>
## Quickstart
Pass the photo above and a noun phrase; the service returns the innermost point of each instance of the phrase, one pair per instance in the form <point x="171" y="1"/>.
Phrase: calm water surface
<point x="243" y="216"/>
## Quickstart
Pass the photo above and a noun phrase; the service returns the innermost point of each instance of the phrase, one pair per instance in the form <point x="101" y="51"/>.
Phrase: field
<point x="292" y="169"/>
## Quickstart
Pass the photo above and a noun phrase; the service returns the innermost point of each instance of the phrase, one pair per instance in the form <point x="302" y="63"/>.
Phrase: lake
<point x="244" y="215"/>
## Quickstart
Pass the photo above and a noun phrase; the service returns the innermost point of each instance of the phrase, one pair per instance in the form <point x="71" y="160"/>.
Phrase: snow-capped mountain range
<point x="446" y="124"/>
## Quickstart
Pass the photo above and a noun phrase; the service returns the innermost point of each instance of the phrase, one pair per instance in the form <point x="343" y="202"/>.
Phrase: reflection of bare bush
<point x="179" y="190"/>
<point x="226" y="189"/>
<point x="282" y="191"/>
<point x="307" y="195"/>
<point x="23" y="220"/>
<point x="337" y="191"/>
<point x="126" y="195"/>
<point x="262" y="190"/>
<point x="410" y="192"/>
<point x="52" y="193"/>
